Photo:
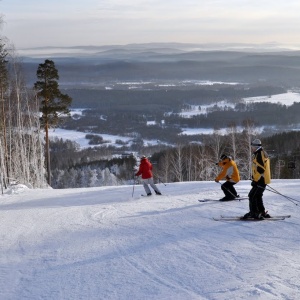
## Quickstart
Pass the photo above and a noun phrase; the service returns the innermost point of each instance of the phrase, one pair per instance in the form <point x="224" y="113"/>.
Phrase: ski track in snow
<point x="102" y="243"/>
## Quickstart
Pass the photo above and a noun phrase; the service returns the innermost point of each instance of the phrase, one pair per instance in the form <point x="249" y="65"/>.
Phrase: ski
<point x="237" y="218"/>
<point x="236" y="199"/>
<point x="272" y="217"/>
<point x="247" y="220"/>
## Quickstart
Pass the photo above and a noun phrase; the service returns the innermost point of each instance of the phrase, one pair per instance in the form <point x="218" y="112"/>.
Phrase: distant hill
<point x="89" y="65"/>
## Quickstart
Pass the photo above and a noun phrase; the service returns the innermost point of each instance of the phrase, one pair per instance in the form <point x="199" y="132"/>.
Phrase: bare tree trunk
<point x="232" y="134"/>
<point x="2" y="165"/>
<point x="204" y="165"/>
<point x="248" y="133"/>
<point x="48" y="154"/>
<point x="5" y="162"/>
<point x="217" y="145"/>
<point x="189" y="162"/>
<point x="177" y="164"/>
<point x="165" y="166"/>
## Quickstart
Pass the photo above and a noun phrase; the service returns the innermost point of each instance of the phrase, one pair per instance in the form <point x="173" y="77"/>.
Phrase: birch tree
<point x="232" y="139"/>
<point x="25" y="147"/>
<point x="20" y="140"/>
<point x="3" y="95"/>
<point x="177" y="162"/>
<point x="248" y="133"/>
<point x="217" y="144"/>
<point x="204" y="164"/>
<point x="165" y="166"/>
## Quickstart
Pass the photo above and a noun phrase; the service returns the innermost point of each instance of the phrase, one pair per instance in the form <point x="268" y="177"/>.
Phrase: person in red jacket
<point x="145" y="169"/>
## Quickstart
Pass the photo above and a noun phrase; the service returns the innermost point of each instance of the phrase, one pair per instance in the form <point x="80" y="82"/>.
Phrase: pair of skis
<point x="213" y="200"/>
<point x="240" y="218"/>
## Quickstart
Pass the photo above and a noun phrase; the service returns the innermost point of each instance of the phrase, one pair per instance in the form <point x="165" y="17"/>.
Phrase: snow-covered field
<point x="111" y="243"/>
<point x="223" y="131"/>
<point x="79" y="137"/>
<point x="286" y="99"/>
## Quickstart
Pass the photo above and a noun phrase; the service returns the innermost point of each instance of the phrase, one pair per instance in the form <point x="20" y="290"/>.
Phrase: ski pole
<point x="226" y="189"/>
<point x="287" y="197"/>
<point x="133" y="185"/>
<point x="161" y="181"/>
<point x="276" y="192"/>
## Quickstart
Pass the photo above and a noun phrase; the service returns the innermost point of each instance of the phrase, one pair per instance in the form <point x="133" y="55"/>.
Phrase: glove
<point x="216" y="180"/>
<point x="217" y="164"/>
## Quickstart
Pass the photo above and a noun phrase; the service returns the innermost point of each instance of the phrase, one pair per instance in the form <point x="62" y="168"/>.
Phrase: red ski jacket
<point x="145" y="169"/>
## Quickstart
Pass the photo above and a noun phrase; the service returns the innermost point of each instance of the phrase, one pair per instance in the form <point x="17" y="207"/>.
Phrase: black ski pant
<point x="255" y="195"/>
<point x="229" y="190"/>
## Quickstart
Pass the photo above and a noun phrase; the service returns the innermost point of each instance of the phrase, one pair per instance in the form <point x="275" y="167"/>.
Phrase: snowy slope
<point x="102" y="243"/>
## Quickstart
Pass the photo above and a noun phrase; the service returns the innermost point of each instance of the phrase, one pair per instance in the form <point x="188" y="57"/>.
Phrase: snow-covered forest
<point x="26" y="159"/>
<point x="21" y="141"/>
<point x="22" y="144"/>
<point x="22" y="147"/>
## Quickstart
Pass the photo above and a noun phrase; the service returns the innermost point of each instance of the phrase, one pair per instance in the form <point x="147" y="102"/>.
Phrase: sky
<point x="111" y="243"/>
<point x="57" y="23"/>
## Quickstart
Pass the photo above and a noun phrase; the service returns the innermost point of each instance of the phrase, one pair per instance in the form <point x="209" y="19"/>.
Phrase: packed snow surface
<point x="112" y="243"/>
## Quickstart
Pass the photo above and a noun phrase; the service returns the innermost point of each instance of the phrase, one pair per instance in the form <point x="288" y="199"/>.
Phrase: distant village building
<point x="151" y="123"/>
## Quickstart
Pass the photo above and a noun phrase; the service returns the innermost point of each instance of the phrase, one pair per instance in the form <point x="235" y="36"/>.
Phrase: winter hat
<point x="256" y="142"/>
<point x="143" y="157"/>
<point x="223" y="156"/>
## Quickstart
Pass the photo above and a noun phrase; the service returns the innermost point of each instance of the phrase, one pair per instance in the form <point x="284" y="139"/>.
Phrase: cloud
<point x="72" y="22"/>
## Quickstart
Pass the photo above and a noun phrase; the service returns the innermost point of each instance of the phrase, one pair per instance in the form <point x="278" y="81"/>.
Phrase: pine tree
<point x="53" y="103"/>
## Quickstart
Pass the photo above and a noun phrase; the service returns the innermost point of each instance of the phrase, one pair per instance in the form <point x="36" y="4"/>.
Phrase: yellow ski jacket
<point x="229" y="171"/>
<point x="261" y="167"/>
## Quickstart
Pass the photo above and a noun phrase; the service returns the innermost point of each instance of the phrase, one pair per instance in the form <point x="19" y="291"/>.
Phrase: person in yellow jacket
<point x="261" y="176"/>
<point x="229" y="172"/>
